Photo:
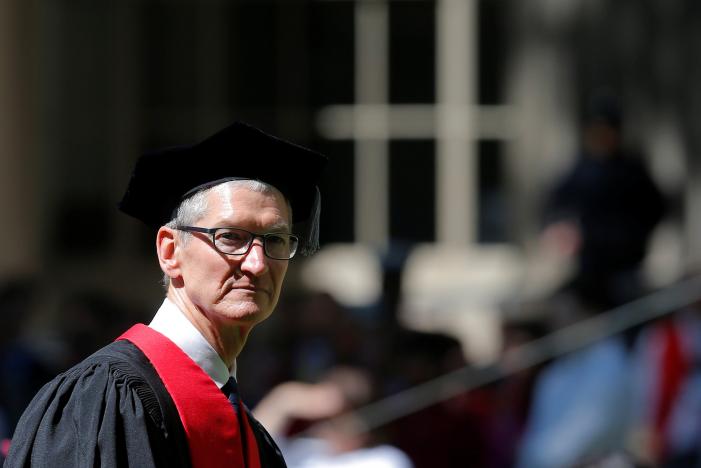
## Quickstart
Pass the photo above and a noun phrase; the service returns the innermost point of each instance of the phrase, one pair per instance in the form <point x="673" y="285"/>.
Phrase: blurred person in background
<point x="325" y="334"/>
<point x="602" y="212"/>
<point x="449" y="433"/>
<point x="312" y="332"/>
<point x="666" y="391"/>
<point x="24" y="368"/>
<point x="166" y="394"/>
<point x="508" y="400"/>
<point x="604" y="209"/>
<point x="580" y="402"/>
<point x="88" y="320"/>
<point x="328" y="442"/>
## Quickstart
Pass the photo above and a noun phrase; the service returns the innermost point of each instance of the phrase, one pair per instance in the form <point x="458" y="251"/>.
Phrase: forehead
<point x="239" y="204"/>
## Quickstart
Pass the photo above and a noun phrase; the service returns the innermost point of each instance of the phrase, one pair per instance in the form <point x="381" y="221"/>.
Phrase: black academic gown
<point x="111" y="410"/>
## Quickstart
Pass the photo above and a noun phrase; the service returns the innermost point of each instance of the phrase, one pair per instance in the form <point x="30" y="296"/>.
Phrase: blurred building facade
<point x="444" y="120"/>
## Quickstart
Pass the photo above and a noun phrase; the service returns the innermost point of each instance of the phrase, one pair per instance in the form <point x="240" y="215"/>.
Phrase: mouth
<point x="250" y="288"/>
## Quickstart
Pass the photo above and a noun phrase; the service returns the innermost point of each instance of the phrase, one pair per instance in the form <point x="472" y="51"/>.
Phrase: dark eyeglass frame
<point x="263" y="237"/>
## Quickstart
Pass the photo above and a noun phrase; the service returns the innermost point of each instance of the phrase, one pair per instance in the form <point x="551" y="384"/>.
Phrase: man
<point x="165" y="395"/>
<point x="604" y="210"/>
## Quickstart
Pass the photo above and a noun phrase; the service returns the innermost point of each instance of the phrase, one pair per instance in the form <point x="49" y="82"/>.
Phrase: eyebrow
<point x="282" y="226"/>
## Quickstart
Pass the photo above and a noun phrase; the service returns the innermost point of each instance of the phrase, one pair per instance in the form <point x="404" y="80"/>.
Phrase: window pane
<point x="412" y="191"/>
<point x="252" y="66"/>
<point x="412" y="57"/>
<point x="337" y="191"/>
<point x="493" y="215"/>
<point x="332" y="48"/>
<point x="492" y="51"/>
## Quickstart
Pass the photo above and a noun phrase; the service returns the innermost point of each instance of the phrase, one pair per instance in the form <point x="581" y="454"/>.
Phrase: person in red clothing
<point x="667" y="391"/>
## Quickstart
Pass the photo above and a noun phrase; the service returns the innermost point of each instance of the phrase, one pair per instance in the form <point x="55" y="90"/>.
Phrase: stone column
<point x="19" y="182"/>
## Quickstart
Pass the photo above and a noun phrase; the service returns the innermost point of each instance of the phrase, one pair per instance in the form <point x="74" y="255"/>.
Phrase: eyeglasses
<point x="236" y="241"/>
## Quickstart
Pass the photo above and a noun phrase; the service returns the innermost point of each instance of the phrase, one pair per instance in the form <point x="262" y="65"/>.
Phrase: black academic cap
<point x="162" y="180"/>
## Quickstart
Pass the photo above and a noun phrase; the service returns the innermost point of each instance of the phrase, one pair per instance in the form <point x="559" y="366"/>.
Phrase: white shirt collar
<point x="171" y="322"/>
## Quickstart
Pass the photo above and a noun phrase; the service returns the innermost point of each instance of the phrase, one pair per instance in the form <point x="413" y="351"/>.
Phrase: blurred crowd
<point x="629" y="400"/>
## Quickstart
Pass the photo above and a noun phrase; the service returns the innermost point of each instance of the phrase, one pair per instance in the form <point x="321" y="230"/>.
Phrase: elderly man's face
<point x="235" y="289"/>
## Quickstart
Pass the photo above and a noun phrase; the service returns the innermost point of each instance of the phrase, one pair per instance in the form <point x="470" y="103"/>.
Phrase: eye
<point x="232" y="237"/>
<point x="277" y="239"/>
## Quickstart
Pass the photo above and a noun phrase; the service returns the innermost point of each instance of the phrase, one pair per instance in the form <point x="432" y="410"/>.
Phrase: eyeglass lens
<point x="237" y="241"/>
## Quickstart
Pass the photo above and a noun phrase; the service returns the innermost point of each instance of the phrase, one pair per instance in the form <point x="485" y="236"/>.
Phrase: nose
<point x="255" y="262"/>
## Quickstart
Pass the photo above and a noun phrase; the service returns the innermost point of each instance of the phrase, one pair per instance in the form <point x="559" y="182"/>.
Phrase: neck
<point x="226" y="339"/>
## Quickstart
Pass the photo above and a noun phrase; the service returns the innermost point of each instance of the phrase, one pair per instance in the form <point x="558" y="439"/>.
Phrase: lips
<point x="250" y="287"/>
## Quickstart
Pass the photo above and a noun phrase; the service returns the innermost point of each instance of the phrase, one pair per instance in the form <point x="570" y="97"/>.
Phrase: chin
<point x="250" y="313"/>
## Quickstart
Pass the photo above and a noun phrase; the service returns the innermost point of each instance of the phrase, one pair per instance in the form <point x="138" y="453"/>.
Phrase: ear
<point x="166" y="247"/>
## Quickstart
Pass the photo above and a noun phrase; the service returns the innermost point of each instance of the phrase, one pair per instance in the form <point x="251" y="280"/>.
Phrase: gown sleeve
<point x="98" y="414"/>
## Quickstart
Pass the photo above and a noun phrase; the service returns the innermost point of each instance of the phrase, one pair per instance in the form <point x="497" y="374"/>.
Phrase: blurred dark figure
<point x="447" y="434"/>
<point x="510" y="397"/>
<point x="325" y="335"/>
<point x="329" y="441"/>
<point x="22" y="368"/>
<point x="86" y="321"/>
<point x="405" y="357"/>
<point x="604" y="209"/>
<point x="89" y="319"/>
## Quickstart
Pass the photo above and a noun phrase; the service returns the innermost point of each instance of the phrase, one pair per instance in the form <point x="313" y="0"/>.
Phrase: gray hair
<point x="195" y="207"/>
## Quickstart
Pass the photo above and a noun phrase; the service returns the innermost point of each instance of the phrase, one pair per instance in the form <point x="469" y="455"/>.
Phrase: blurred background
<point x="498" y="170"/>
